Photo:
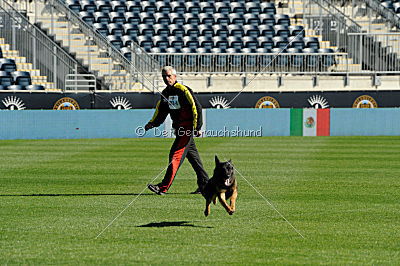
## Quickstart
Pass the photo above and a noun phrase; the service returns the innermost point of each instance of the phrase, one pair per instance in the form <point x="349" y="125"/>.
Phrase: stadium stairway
<point x="75" y="42"/>
<point x="23" y="65"/>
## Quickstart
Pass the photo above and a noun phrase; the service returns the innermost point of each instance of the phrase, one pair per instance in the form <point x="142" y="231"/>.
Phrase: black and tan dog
<point x="222" y="185"/>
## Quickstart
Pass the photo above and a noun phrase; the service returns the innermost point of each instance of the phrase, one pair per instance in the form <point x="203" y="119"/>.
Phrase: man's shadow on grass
<point x="173" y="224"/>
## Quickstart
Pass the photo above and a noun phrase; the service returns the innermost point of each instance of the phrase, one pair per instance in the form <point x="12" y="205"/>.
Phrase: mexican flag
<point x="309" y="122"/>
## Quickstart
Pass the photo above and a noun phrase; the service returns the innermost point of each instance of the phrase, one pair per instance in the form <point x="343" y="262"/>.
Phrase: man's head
<point x="169" y="75"/>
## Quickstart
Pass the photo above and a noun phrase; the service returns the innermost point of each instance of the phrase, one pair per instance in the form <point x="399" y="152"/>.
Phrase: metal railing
<point x="384" y="12"/>
<point x="78" y="82"/>
<point x="37" y="47"/>
<point x="142" y="68"/>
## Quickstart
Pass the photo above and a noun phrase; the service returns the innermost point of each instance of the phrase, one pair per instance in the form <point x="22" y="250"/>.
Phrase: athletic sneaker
<point x="197" y="191"/>
<point x="155" y="189"/>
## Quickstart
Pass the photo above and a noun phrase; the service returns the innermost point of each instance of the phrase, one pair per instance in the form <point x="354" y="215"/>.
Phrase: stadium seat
<point x="134" y="7"/>
<point x="236" y="30"/>
<point x="162" y="19"/>
<point x="190" y="57"/>
<point x="235" y="57"/>
<point x="268" y="8"/>
<point x="236" y="19"/>
<point x="267" y="19"/>
<point x="281" y="59"/>
<point x="327" y="60"/>
<point x="118" y="6"/>
<point x="280" y="42"/>
<point x="205" y="56"/>
<point x="117" y="17"/>
<point x="22" y="78"/>
<point x="221" y="43"/>
<point x="191" y="19"/>
<point x="15" y="88"/>
<point x="177" y="19"/>
<point x="87" y="17"/>
<point x="235" y="42"/>
<point x="101" y="28"/>
<point x="176" y="42"/>
<point x="163" y="8"/>
<point x="296" y="42"/>
<point x="250" y="57"/>
<point x="311" y="59"/>
<point x="311" y="42"/>
<point x="282" y="31"/>
<point x="161" y="30"/>
<point x="207" y="7"/>
<point x="88" y="6"/>
<point x="282" y="19"/>
<point x="297" y="30"/>
<point x="130" y="29"/>
<point x="101" y="17"/>
<point x="206" y="42"/>
<point x="396" y="7"/>
<point x="193" y="7"/>
<point x="238" y="8"/>
<point x="221" y="58"/>
<point x="223" y="8"/>
<point x="176" y="30"/>
<point x="103" y="6"/>
<point x="146" y="30"/>
<point x="264" y="57"/>
<point x="388" y="4"/>
<point x="251" y="31"/>
<point x="160" y="55"/>
<point x="6" y="79"/>
<point x="7" y="64"/>
<point x="206" y="19"/>
<point x="147" y="18"/>
<point x="266" y="31"/>
<point x="265" y="42"/>
<point x="127" y="40"/>
<point x="116" y="41"/>
<point x="221" y="19"/>
<point x="252" y="19"/>
<point x="250" y="42"/>
<point x="221" y="31"/>
<point x="74" y="5"/>
<point x="190" y="42"/>
<point x="206" y="30"/>
<point x="116" y="29"/>
<point x="146" y="42"/>
<point x="133" y="18"/>
<point x="161" y="42"/>
<point x="148" y="7"/>
<point x="175" y="57"/>
<point x="178" y="8"/>
<point x="35" y="87"/>
<point x="192" y="31"/>
<point x="297" y="59"/>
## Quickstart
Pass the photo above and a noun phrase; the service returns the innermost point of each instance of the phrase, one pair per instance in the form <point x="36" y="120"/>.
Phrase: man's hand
<point x="197" y="133"/>
<point x="148" y="126"/>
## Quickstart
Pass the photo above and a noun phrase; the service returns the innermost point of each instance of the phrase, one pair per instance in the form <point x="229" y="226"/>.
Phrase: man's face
<point x="168" y="77"/>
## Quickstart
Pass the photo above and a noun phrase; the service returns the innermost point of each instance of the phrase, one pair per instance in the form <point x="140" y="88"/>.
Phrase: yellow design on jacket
<point x="189" y="97"/>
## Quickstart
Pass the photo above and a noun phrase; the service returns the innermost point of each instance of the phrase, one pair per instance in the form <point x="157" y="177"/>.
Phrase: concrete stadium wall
<point x="51" y="124"/>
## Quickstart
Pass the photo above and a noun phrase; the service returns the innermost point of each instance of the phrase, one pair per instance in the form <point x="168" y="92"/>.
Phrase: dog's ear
<point x="216" y="160"/>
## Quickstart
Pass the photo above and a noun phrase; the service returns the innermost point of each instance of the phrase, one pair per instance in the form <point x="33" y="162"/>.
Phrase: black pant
<point x="183" y="146"/>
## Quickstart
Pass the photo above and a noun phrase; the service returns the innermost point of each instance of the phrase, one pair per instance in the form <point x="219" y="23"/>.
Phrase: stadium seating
<point x="22" y="78"/>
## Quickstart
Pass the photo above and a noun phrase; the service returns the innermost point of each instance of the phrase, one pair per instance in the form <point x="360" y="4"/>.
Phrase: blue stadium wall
<point x="79" y="124"/>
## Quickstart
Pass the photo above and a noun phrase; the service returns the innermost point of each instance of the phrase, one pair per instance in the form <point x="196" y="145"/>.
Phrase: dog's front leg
<point x="221" y="198"/>
<point x="233" y="200"/>
<point x="207" y="210"/>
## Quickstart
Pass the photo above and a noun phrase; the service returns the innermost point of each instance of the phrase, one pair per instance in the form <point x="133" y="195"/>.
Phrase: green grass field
<point x="341" y="193"/>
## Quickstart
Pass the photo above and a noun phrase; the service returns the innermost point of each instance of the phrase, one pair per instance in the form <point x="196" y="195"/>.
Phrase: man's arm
<point x="159" y="116"/>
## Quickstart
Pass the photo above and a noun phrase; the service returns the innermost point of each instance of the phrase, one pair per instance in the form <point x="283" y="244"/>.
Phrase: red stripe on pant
<point x="177" y="155"/>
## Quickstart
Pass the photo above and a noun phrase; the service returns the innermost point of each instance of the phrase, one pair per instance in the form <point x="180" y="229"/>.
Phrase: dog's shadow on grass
<point x="173" y="224"/>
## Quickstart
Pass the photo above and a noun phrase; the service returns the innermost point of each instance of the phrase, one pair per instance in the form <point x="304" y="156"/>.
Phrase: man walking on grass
<point x="178" y="101"/>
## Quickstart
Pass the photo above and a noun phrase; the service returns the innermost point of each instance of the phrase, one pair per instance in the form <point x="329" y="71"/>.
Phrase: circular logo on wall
<point x="66" y="103"/>
<point x="310" y="122"/>
<point x="267" y="102"/>
<point x="365" y="101"/>
<point x="120" y="103"/>
<point x="13" y="103"/>
<point x="318" y="102"/>
<point x="219" y="102"/>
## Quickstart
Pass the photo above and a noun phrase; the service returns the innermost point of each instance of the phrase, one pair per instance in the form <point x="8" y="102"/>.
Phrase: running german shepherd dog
<point x="222" y="185"/>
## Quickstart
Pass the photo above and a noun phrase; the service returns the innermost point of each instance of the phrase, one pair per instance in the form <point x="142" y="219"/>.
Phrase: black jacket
<point x="183" y="107"/>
